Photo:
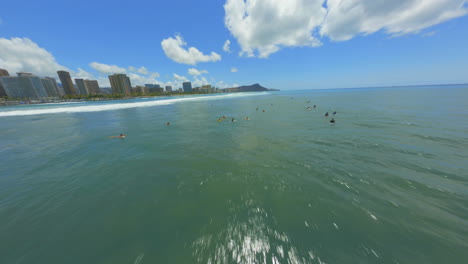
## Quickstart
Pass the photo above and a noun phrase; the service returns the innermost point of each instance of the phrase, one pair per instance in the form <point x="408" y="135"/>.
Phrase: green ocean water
<point x="388" y="183"/>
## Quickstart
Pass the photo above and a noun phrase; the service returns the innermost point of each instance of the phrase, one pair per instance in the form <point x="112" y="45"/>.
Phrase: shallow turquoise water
<point x="388" y="183"/>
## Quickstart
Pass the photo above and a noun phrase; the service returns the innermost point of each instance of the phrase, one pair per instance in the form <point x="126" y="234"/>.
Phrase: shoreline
<point x="6" y="103"/>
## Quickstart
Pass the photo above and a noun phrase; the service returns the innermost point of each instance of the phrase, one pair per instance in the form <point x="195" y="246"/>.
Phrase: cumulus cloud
<point x="234" y="69"/>
<point x="24" y="55"/>
<point x="106" y="68"/>
<point x="179" y="77"/>
<point x="226" y="46"/>
<point x="346" y="19"/>
<point x="263" y="27"/>
<point x="193" y="71"/>
<point x="174" y="49"/>
<point x="154" y="75"/>
<point x="143" y="70"/>
<point x="197" y="82"/>
<point x="82" y="74"/>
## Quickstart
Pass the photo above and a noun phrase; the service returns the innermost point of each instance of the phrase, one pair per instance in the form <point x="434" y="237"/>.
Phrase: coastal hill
<point x="249" y="88"/>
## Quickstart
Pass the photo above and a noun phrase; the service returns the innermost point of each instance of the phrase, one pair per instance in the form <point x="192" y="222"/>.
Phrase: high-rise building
<point x="92" y="86"/>
<point x="24" y="74"/>
<point x="4" y="72"/>
<point x="23" y="86"/>
<point x="80" y="83"/>
<point x="50" y="87"/>
<point x="187" y="87"/>
<point x="59" y="90"/>
<point x="67" y="82"/>
<point x="14" y="88"/>
<point x="120" y="83"/>
<point x="168" y="88"/>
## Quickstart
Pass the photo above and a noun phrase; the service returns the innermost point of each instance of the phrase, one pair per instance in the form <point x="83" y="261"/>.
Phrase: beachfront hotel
<point x="67" y="82"/>
<point x="120" y="83"/>
<point x="187" y="87"/>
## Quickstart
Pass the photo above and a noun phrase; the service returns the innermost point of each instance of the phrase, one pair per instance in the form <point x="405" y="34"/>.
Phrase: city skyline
<point x="298" y="44"/>
<point x="28" y="85"/>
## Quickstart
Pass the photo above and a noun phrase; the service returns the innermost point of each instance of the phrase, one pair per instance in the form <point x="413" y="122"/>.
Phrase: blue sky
<point x="295" y="44"/>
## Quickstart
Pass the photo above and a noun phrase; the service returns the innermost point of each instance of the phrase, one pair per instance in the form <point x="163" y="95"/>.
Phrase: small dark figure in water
<point x="326" y="114"/>
<point x="315" y="106"/>
<point x="119" y="136"/>
<point x="257" y="108"/>
<point x="263" y="111"/>
<point x="332" y="121"/>
<point x="334" y="113"/>
<point x="168" y="124"/>
<point x="232" y="119"/>
<point x="308" y="108"/>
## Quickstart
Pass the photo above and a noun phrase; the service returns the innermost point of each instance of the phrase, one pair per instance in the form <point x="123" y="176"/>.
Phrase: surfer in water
<point x="308" y="108"/>
<point x="332" y="121"/>
<point x="246" y="118"/>
<point x="119" y="136"/>
<point x="168" y="124"/>
<point x="315" y="106"/>
<point x="326" y="114"/>
<point x="334" y="113"/>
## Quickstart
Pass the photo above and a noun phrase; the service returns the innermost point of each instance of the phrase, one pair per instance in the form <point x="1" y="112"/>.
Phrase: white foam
<point x="119" y="105"/>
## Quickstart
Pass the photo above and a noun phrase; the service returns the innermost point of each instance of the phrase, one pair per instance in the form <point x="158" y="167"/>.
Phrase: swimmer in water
<point x="168" y="124"/>
<point x="334" y="113"/>
<point x="119" y="136"/>
<point x="308" y="108"/>
<point x="263" y="111"/>
<point x="220" y="119"/>
<point x="233" y="120"/>
<point x="257" y="108"/>
<point x="246" y="118"/>
<point x="315" y="106"/>
<point x="332" y="121"/>
<point x="326" y="114"/>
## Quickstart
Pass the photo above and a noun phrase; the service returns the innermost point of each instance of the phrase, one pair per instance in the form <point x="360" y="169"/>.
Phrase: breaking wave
<point x="119" y="105"/>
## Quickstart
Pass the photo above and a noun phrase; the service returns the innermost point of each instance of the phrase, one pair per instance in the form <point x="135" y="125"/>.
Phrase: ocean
<point x="387" y="183"/>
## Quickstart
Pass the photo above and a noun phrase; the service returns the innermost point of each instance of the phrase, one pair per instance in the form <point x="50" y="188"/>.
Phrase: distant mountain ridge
<point x="250" y="88"/>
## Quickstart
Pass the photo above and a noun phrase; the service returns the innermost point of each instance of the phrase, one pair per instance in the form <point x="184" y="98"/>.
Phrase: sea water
<point x="387" y="183"/>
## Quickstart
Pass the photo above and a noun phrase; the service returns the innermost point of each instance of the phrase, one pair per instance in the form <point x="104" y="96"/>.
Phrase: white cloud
<point x="82" y="74"/>
<point x="22" y="54"/>
<point x="234" y="69"/>
<point x="174" y="49"/>
<point x="193" y="71"/>
<point x="106" y="68"/>
<point x="179" y="78"/>
<point x="132" y="69"/>
<point x="197" y="82"/>
<point x="263" y="27"/>
<point x="226" y="47"/>
<point x="143" y="70"/>
<point x="137" y="79"/>
<point x="154" y="75"/>
<point x="346" y="19"/>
